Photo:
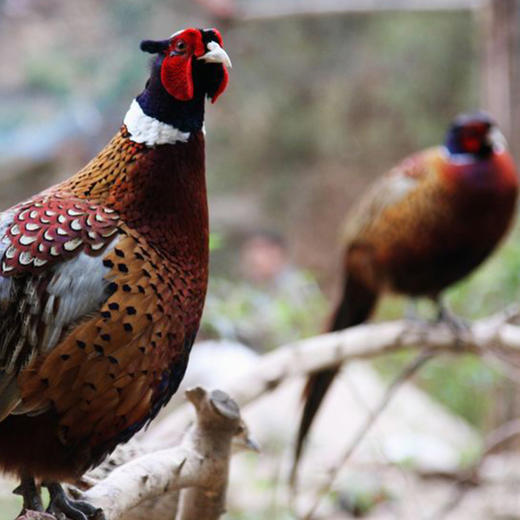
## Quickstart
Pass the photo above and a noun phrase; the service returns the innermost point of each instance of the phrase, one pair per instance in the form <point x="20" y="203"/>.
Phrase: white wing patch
<point x="79" y="285"/>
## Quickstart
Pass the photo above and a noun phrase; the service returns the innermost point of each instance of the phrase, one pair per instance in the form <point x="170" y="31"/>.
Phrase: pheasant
<point x="103" y="279"/>
<point x="423" y="226"/>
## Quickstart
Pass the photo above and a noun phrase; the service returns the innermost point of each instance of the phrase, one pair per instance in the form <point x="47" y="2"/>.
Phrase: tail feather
<point x="355" y="307"/>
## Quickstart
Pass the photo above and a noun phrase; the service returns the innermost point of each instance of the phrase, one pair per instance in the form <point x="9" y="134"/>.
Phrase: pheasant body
<point x="429" y="222"/>
<point x="103" y="280"/>
<point x="420" y="228"/>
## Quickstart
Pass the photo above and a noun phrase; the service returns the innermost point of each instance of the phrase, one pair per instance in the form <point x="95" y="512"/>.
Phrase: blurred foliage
<point x="9" y="508"/>
<point x="261" y="317"/>
<point x="360" y="496"/>
<point x="11" y="505"/>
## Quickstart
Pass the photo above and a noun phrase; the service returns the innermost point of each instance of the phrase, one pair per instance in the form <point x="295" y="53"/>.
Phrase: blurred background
<point x="323" y="98"/>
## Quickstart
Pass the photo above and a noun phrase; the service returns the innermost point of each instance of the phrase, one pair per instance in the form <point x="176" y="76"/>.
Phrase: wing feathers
<point x="9" y="395"/>
<point x="46" y="285"/>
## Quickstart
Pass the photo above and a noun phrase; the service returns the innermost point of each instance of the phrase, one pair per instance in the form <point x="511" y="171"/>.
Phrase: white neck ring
<point x="150" y="131"/>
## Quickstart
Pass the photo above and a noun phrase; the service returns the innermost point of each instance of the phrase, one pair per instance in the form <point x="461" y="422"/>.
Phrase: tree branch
<point x="495" y="440"/>
<point x="408" y="371"/>
<point x="200" y="463"/>
<point x="493" y="335"/>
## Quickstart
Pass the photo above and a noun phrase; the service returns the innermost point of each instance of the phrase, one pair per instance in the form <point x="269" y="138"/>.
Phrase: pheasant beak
<point x="216" y="54"/>
<point x="497" y="140"/>
<point x="252" y="445"/>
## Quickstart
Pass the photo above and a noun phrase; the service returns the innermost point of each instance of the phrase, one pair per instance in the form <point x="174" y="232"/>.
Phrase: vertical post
<point x="500" y="66"/>
<point x="515" y="78"/>
<point x="500" y="55"/>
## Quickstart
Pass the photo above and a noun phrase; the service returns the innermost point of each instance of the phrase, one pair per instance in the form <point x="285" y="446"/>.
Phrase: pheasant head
<point x="475" y="135"/>
<point x="189" y="67"/>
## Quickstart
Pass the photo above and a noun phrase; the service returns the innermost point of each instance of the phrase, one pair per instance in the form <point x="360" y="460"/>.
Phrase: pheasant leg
<point x="458" y="326"/>
<point x="31" y="495"/>
<point x="73" y="509"/>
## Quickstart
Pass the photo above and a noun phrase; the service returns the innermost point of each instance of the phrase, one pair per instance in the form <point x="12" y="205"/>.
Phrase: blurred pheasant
<point x="423" y="226"/>
<point x="103" y="279"/>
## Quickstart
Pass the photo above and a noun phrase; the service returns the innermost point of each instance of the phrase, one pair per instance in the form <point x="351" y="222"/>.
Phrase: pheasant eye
<point x="180" y="45"/>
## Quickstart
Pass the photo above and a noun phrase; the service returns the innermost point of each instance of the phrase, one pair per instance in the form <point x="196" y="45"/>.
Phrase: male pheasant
<point x="423" y="226"/>
<point x="103" y="279"/>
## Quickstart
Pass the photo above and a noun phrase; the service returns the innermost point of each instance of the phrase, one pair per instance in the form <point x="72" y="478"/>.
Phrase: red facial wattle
<point x="176" y="69"/>
<point x="176" y="77"/>
<point x="225" y="77"/>
<point x="222" y="86"/>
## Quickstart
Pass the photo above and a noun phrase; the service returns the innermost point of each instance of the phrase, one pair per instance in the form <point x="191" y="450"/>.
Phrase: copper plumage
<point x="420" y="228"/>
<point x="103" y="280"/>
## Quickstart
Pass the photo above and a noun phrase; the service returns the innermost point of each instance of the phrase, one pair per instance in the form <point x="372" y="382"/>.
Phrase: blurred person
<point x="265" y="262"/>
<point x="274" y="301"/>
<point x="264" y="257"/>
